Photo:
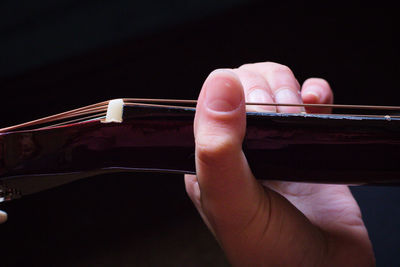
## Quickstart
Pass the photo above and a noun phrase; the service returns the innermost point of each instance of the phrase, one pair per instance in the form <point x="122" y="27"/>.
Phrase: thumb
<point x="253" y="224"/>
<point x="226" y="183"/>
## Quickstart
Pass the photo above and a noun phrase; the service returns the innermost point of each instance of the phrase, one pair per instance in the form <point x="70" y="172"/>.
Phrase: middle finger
<point x="282" y="82"/>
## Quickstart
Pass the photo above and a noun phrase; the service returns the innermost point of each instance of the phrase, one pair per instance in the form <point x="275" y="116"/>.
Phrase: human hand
<point x="269" y="223"/>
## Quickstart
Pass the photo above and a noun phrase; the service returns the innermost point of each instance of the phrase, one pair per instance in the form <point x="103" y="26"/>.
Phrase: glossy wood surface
<point x="294" y="147"/>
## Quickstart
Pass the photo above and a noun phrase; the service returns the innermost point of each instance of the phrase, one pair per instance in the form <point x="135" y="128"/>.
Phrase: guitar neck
<point x="290" y="147"/>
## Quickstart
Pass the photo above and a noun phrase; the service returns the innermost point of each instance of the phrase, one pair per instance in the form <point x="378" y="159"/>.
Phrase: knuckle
<point x="266" y="66"/>
<point x="213" y="149"/>
<point x="246" y="66"/>
<point x="248" y="76"/>
<point x="251" y="66"/>
<point x="279" y="68"/>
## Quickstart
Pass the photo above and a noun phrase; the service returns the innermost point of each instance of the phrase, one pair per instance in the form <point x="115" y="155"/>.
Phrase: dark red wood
<point x="293" y="147"/>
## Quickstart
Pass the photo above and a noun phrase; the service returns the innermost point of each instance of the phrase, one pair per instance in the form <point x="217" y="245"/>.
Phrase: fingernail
<point x="260" y="96"/>
<point x="312" y="96"/>
<point x="222" y="92"/>
<point x="287" y="96"/>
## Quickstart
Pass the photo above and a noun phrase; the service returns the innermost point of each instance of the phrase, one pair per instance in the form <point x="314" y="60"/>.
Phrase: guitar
<point x="156" y="135"/>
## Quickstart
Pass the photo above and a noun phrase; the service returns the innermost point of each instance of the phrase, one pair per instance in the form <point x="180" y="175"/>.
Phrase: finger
<point x="226" y="183"/>
<point x="256" y="90"/>
<point x="283" y="84"/>
<point x="317" y="91"/>
<point x="3" y="216"/>
<point x="235" y="204"/>
<point x="193" y="189"/>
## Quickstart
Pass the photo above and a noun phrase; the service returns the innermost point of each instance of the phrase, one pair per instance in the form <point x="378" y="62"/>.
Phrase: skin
<point x="3" y="216"/>
<point x="268" y="223"/>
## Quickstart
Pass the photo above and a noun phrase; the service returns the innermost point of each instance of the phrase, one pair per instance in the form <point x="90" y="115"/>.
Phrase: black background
<point x="55" y="57"/>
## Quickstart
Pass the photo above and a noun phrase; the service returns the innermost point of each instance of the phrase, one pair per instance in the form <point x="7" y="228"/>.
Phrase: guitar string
<point x="59" y="116"/>
<point x="97" y="108"/>
<point x="87" y="118"/>
<point x="341" y="114"/>
<point x="337" y="106"/>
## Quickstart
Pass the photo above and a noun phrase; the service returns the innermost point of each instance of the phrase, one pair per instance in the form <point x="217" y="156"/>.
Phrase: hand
<point x="269" y="223"/>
